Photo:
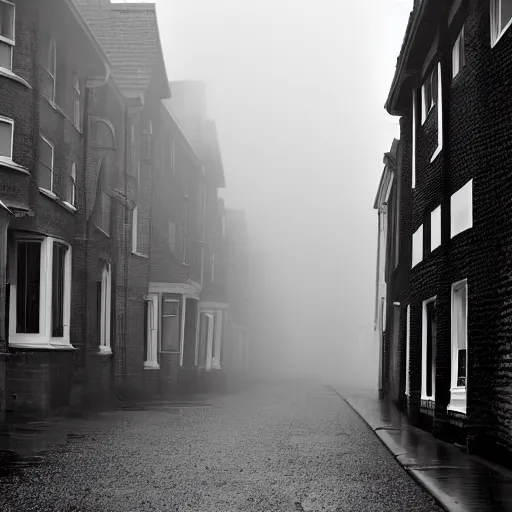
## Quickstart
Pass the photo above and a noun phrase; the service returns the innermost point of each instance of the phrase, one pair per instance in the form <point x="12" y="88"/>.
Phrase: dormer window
<point x="7" y="15"/>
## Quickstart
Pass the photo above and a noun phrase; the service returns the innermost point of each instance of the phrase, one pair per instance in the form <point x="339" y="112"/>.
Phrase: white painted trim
<point x="44" y="338"/>
<point x="458" y="394"/>
<point x="209" y="340"/>
<point x="134" y="230"/>
<point x="53" y="161"/>
<point x="106" y="308"/>
<point x="182" y="327"/>
<point x="7" y="73"/>
<point x="6" y="40"/>
<point x="152" y="328"/>
<point x="439" y="114"/>
<point x="496" y="31"/>
<point x="407" y="348"/>
<point x="191" y="288"/>
<point x="424" y="353"/>
<point x="7" y="162"/>
<point x="414" y="116"/>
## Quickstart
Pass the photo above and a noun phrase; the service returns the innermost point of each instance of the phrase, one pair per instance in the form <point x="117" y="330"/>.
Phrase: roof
<point x="128" y="33"/>
<point x="389" y="166"/>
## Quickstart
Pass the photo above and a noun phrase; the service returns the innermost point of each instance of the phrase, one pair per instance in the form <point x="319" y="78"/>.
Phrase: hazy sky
<point x="297" y="89"/>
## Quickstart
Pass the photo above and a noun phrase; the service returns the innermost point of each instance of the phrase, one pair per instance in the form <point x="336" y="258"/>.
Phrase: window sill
<point x="51" y="195"/>
<point x="104" y="351"/>
<point x="13" y="76"/>
<point x="7" y="162"/>
<point x="62" y="113"/>
<point x="151" y="365"/>
<point x="428" y="399"/>
<point x="457" y="400"/>
<point x="34" y="345"/>
<point x="140" y="255"/>
<point x="437" y="152"/>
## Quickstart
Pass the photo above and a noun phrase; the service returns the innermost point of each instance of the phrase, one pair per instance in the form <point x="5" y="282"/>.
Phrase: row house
<point x="446" y="354"/>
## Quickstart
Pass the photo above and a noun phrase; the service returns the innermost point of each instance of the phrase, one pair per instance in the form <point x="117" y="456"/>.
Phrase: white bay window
<point x="7" y="27"/>
<point x="40" y="292"/>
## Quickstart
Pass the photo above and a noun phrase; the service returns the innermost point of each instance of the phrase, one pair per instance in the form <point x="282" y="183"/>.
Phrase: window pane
<point x="45" y="153"/>
<point x="7" y="21"/>
<point x="27" y="287"/>
<point x="461" y="368"/>
<point x="506" y="12"/>
<point x="170" y="325"/>
<point x="434" y="87"/>
<point x="105" y="212"/>
<point x="6" y="139"/>
<point x="5" y="56"/>
<point x="59" y="257"/>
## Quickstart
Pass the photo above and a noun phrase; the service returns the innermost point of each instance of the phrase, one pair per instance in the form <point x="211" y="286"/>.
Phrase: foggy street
<point x="284" y="447"/>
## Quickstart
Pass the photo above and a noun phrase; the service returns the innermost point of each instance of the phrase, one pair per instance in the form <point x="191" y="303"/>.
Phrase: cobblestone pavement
<point x="282" y="447"/>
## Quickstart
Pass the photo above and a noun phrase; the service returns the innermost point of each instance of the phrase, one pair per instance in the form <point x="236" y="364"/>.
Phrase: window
<point x="151" y="362"/>
<point x="462" y="209"/>
<point x="71" y="185"/>
<point x="105" y="309"/>
<point x="439" y="101"/>
<point x="501" y="17"/>
<point x="7" y="24"/>
<point x="77" y="105"/>
<point x="458" y="54"/>
<point x="428" y="352"/>
<point x="171" y="332"/>
<point x="50" y="72"/>
<point x="435" y="228"/>
<point x="46" y="157"/>
<point x="417" y="246"/>
<point x="414" y="117"/>
<point x="407" y="348"/>
<point x="40" y="292"/>
<point x="213" y="267"/>
<point x="172" y="236"/>
<point x="140" y="231"/>
<point x="184" y="240"/>
<point x="459" y="337"/>
<point x="6" y="137"/>
<point x="429" y="91"/>
<point x="106" y="208"/>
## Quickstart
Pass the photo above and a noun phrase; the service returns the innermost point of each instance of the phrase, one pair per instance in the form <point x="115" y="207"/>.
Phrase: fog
<point x="297" y="89"/>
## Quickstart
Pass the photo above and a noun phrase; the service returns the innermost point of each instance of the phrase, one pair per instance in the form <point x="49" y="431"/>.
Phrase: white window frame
<point x="53" y="160"/>
<point x="454" y="231"/>
<point x="417" y="239"/>
<point x="151" y="358"/>
<point x="7" y="120"/>
<point x="106" y="310"/>
<point x="458" y="54"/>
<point x="44" y="338"/>
<point x="458" y="394"/>
<point x="414" y="117"/>
<point x="407" y="348"/>
<point x="495" y="13"/>
<point x="439" y="113"/>
<point x="77" y="104"/>
<point x="52" y="51"/>
<point x="427" y="83"/>
<point x="213" y="267"/>
<point x="6" y="40"/>
<point x="424" y="396"/>
<point x="135" y="223"/>
<point x="72" y="177"/>
<point x="435" y="221"/>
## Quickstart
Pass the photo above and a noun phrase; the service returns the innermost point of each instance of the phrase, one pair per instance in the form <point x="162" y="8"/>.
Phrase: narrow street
<point x="282" y="447"/>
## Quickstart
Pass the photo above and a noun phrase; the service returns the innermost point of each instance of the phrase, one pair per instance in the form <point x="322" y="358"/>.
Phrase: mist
<point x="297" y="90"/>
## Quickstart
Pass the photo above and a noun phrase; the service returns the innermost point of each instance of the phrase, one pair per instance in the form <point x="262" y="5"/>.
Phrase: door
<point x="171" y="339"/>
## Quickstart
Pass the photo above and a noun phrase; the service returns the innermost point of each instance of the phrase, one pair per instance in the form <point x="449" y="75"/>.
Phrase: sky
<point x="297" y="89"/>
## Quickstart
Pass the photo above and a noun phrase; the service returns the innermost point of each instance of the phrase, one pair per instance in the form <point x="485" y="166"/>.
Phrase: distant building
<point x="452" y="351"/>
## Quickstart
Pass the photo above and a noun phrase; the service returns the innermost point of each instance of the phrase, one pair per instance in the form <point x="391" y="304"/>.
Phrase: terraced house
<point x="450" y="358"/>
<point x="109" y="214"/>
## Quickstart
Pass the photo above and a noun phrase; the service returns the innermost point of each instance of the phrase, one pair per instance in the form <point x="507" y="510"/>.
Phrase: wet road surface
<point x="286" y="447"/>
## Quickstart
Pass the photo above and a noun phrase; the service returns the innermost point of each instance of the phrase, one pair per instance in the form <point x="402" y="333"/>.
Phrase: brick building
<point x="450" y="89"/>
<point x="44" y="72"/>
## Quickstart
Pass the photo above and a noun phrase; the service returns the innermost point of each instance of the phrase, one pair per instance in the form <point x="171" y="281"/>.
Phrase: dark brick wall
<point x="477" y="146"/>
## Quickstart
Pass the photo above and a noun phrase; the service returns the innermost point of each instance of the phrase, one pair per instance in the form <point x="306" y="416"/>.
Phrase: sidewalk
<point x="459" y="482"/>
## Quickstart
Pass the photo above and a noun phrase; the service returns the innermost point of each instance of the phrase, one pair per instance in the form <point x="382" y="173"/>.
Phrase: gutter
<point x="412" y="27"/>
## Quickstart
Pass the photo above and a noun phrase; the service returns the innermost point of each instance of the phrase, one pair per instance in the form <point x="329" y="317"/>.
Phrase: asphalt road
<point x="283" y="447"/>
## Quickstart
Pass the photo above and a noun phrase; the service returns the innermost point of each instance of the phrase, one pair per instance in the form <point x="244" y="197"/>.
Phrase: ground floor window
<point x="151" y="345"/>
<point x="105" y="312"/>
<point x="459" y="344"/>
<point x="428" y="352"/>
<point x="40" y="292"/>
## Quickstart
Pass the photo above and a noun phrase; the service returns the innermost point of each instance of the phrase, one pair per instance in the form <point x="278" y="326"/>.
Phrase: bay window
<point x="7" y="26"/>
<point x="40" y="292"/>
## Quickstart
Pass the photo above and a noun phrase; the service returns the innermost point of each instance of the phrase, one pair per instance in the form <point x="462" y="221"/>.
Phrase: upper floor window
<point x="77" y="104"/>
<point x="103" y="212"/>
<point x="501" y="18"/>
<point x="417" y="246"/>
<point x="435" y="228"/>
<point x="461" y="209"/>
<point x="46" y="157"/>
<point x="213" y="267"/>
<point x="71" y="185"/>
<point x="458" y="54"/>
<point x="6" y="137"/>
<point x="428" y="94"/>
<point x="140" y="230"/>
<point x="50" y="71"/>
<point x="7" y="16"/>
